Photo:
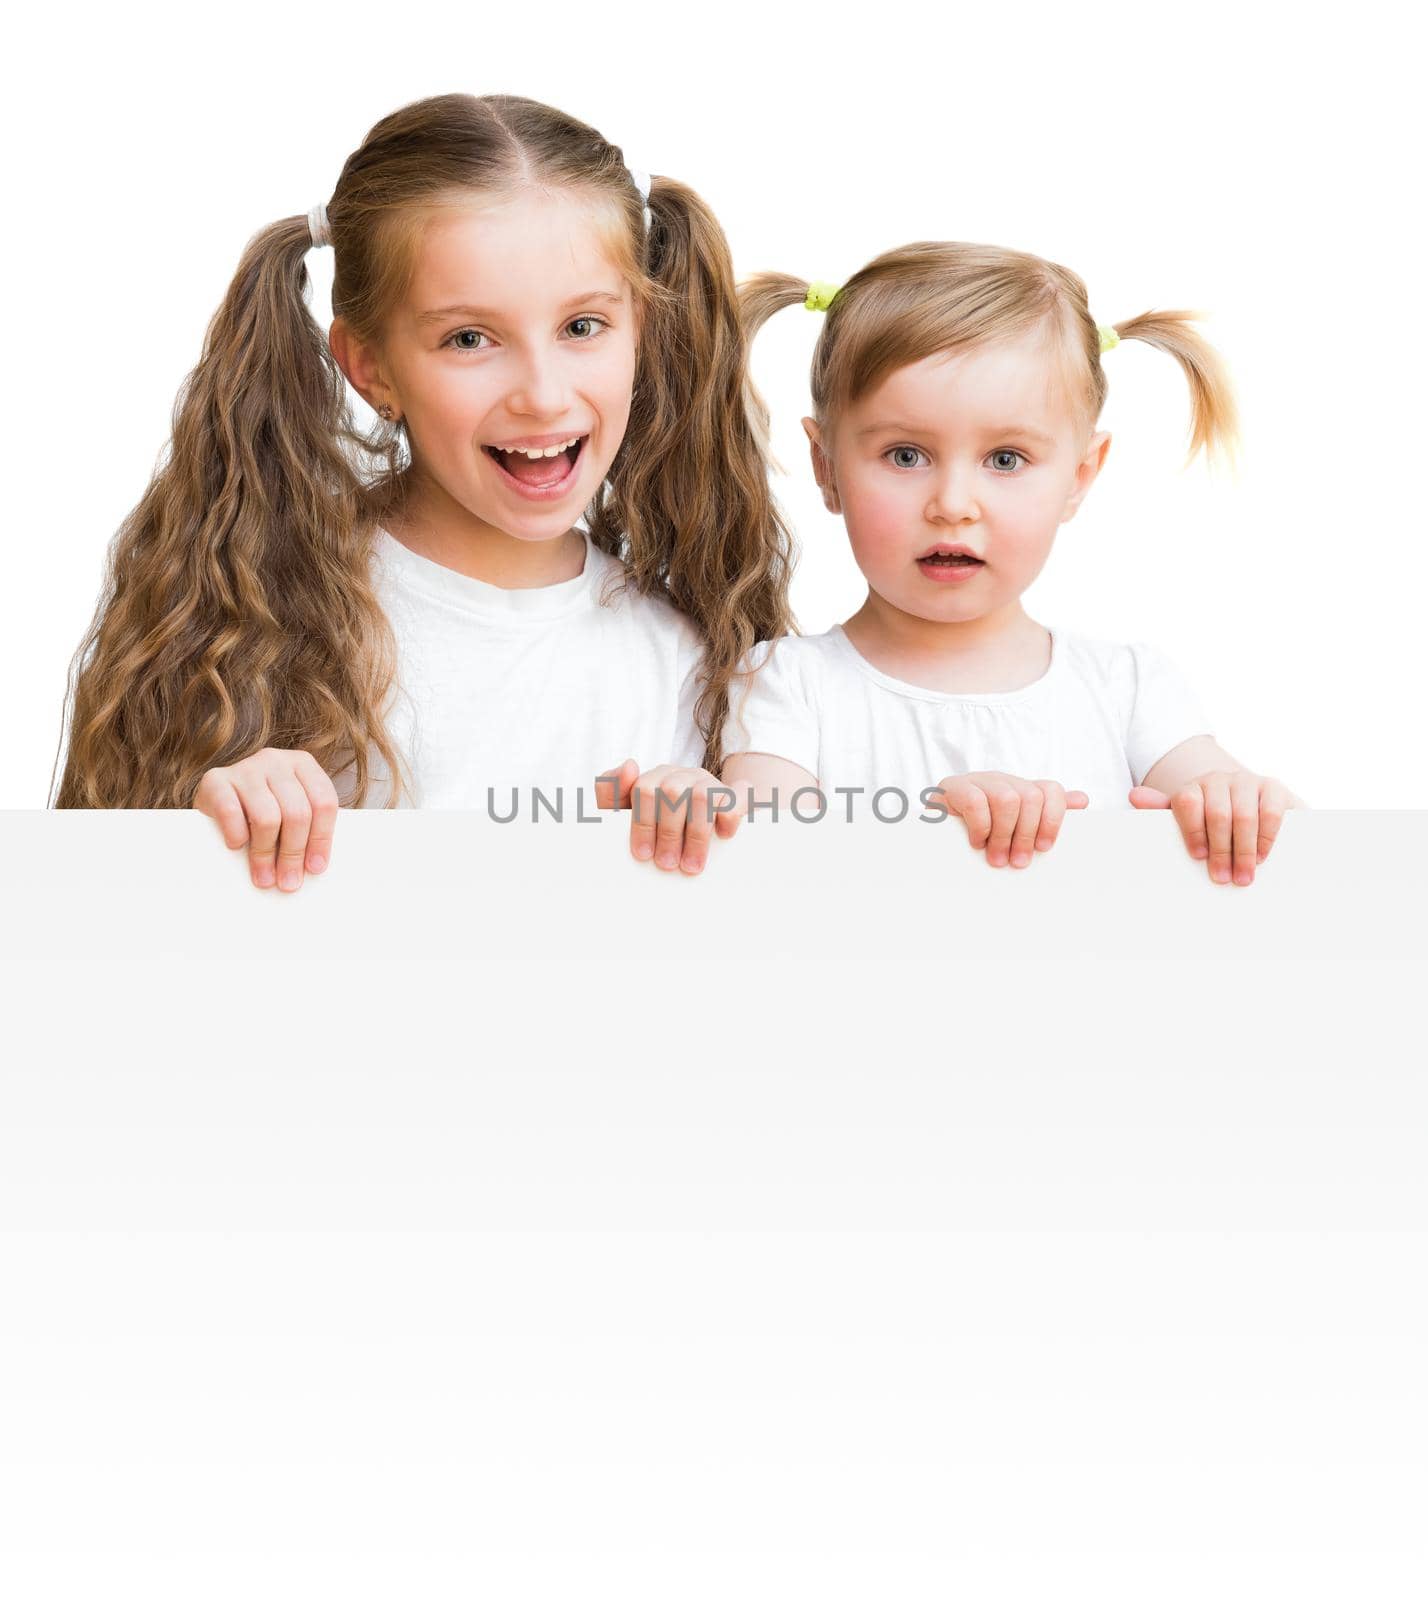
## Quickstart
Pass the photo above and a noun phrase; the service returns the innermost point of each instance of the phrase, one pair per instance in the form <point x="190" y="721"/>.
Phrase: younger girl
<point x="956" y="390"/>
<point x="299" y="614"/>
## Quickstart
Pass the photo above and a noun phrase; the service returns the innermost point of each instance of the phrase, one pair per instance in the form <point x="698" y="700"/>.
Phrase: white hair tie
<point x="641" y="181"/>
<point x="317" y="227"/>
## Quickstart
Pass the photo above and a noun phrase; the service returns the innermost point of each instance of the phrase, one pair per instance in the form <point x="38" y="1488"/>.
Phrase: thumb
<point x="612" y="788"/>
<point x="1144" y="798"/>
<point x="1077" y="799"/>
<point x="726" y="823"/>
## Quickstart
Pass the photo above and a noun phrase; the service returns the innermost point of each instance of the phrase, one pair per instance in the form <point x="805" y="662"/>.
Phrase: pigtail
<point x="237" y="610"/>
<point x="687" y="503"/>
<point x="759" y="298"/>
<point x="1214" y="426"/>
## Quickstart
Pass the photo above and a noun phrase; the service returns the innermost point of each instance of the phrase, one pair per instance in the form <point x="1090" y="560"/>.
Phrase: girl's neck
<point x="991" y="654"/>
<point x="431" y="524"/>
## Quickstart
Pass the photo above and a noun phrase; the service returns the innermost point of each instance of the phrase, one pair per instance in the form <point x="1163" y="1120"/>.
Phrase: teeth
<point x="535" y="455"/>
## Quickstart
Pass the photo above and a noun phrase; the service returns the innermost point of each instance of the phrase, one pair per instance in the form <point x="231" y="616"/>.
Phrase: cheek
<point x="1027" y="520"/>
<point x="878" y="512"/>
<point x="447" y="400"/>
<point x="603" y="385"/>
<point x="614" y="385"/>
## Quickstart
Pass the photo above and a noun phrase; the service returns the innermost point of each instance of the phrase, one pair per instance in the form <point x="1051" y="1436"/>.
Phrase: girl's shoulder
<point x="793" y="652"/>
<point x="1121" y="668"/>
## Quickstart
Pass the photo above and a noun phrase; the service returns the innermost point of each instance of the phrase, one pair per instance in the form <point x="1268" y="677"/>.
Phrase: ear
<point x="1086" y="473"/>
<point x="822" y="467"/>
<point x="361" y="367"/>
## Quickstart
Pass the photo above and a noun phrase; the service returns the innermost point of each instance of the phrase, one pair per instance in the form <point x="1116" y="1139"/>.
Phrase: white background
<point x="1256" y="163"/>
<point x="916" y="1279"/>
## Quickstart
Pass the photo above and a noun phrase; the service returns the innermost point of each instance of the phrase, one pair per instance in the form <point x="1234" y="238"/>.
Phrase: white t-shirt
<point x="501" y="688"/>
<point x="1098" y="719"/>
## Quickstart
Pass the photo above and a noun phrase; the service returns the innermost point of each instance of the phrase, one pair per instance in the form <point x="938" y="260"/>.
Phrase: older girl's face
<point x="954" y="475"/>
<point x="512" y="359"/>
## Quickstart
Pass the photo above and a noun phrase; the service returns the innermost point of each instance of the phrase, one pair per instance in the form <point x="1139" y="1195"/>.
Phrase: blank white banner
<point x="946" y="1274"/>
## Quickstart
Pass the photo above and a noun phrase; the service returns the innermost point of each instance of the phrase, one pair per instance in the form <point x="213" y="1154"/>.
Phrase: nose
<point x="539" y="387"/>
<point x="954" y="495"/>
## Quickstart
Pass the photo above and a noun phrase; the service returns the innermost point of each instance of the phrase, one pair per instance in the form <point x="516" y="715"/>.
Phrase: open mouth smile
<point x="541" y="470"/>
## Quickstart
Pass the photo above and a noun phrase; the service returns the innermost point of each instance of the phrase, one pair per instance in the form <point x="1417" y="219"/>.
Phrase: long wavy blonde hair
<point x="925" y="299"/>
<point x="238" y="608"/>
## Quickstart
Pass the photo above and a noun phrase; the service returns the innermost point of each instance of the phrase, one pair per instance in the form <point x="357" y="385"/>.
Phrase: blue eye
<point x="900" y="453"/>
<point x="464" y="333"/>
<point x="1012" y="456"/>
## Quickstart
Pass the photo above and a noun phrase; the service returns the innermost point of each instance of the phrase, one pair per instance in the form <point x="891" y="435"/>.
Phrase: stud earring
<point x="385" y="413"/>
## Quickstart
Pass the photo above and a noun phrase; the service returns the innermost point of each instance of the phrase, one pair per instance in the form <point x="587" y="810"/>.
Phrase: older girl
<point x="300" y="614"/>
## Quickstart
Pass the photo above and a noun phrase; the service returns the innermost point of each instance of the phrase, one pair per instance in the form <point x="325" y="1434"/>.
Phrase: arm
<point x="763" y="778"/>
<point x="1188" y="761"/>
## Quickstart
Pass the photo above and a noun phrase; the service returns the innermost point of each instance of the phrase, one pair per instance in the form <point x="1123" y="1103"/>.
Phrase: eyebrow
<point x="1013" y="430"/>
<point x="483" y="314"/>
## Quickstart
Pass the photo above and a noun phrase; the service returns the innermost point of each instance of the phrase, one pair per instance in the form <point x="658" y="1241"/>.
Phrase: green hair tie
<point x="1109" y="337"/>
<point x="820" y="296"/>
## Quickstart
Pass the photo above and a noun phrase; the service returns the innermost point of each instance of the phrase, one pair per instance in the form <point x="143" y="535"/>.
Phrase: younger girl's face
<point x="954" y="475"/>
<point x="512" y="360"/>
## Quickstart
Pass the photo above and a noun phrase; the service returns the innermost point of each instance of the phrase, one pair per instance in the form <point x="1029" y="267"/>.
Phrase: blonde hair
<point x="238" y="608"/>
<point x="925" y="299"/>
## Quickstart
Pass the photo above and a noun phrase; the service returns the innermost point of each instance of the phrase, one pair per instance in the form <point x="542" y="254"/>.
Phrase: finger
<point x="726" y="822"/>
<point x="967" y="801"/>
<point x="1028" y="824"/>
<point x="1005" y="806"/>
<point x="216" y="797"/>
<point x="265" y="818"/>
<point x="642" y="815"/>
<point x="697" y="828"/>
<point x="672" y="816"/>
<point x="612" y="788"/>
<point x="1274" y="801"/>
<point x="1244" y="828"/>
<point x="322" y="798"/>
<point x="1053" y="810"/>
<point x="1144" y="798"/>
<point x="296" y="825"/>
<point x="1219" y="823"/>
<point x="1189" y="809"/>
<point x="1077" y="800"/>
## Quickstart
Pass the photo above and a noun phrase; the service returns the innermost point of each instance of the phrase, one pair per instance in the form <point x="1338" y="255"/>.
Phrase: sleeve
<point x="773" y="712"/>
<point x="1165" y="712"/>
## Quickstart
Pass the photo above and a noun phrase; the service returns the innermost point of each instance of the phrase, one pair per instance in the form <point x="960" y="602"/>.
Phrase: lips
<point x="950" y="563"/>
<point x="947" y="554"/>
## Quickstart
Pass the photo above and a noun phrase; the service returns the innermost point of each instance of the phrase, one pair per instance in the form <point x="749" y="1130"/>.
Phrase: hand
<point x="1009" y="816"/>
<point x="279" y="803"/>
<point x="671" y="819"/>
<point x="1230" y="817"/>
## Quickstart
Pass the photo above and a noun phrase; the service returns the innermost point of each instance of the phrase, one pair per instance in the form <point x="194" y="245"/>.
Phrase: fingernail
<point x="1200" y="852"/>
<point x="1244" y="876"/>
<point x="316" y="863"/>
<point x="692" y="867"/>
<point x="1220" y="874"/>
<point x="263" y="877"/>
<point x="288" y="878"/>
<point x="643" y="851"/>
<point x="1020" y="858"/>
<point x="666" y="859"/>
